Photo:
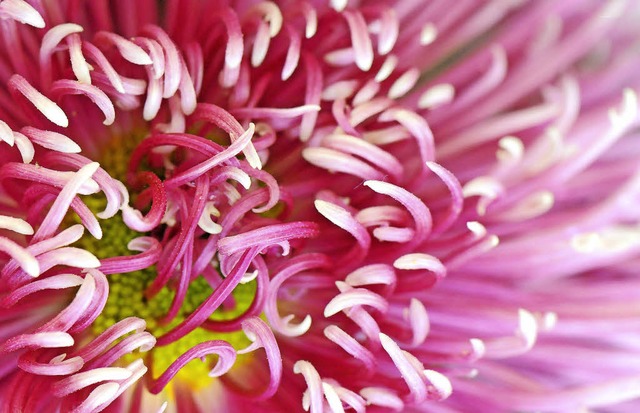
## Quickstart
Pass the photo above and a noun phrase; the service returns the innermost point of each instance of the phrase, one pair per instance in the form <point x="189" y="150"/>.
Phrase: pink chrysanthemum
<point x="344" y="205"/>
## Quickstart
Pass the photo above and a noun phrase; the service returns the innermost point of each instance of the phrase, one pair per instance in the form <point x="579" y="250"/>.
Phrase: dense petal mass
<point x="325" y="206"/>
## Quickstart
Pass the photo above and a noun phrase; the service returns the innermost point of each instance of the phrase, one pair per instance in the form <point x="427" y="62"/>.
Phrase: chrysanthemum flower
<point x="347" y="205"/>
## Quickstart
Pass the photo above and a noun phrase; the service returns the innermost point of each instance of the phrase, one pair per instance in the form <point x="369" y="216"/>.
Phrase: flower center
<point x="127" y="292"/>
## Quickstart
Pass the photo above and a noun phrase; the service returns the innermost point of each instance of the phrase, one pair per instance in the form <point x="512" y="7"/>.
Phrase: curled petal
<point x="314" y="383"/>
<point x="262" y="336"/>
<point x="206" y="223"/>
<point x="418" y="261"/>
<point x="350" y="345"/>
<point x="70" y="256"/>
<point x="188" y="95"/>
<point x="343" y="219"/>
<point x="25" y="147"/>
<point x="129" y="50"/>
<point x="260" y="44"/>
<point x="420" y="213"/>
<point x="6" y="134"/>
<point x="150" y="249"/>
<point x="369" y="107"/>
<point x="347" y="396"/>
<point x="417" y="126"/>
<point x="267" y="236"/>
<point x="419" y="320"/>
<point x="54" y="36"/>
<point x="43" y="195"/>
<point x="234" y="48"/>
<point x="66" y="237"/>
<point x="184" y="241"/>
<point x="335" y="161"/>
<point x="79" y="65"/>
<point x="84" y="379"/>
<point x="113" y="189"/>
<point x="393" y="234"/>
<point x="312" y="95"/>
<point x="388" y="66"/>
<point x="457" y="199"/>
<point x="23" y="257"/>
<point x="389" y="29"/>
<point x="404" y="83"/>
<point x="355" y="297"/>
<point x="45" y="105"/>
<point x="486" y="188"/>
<point x="380" y="396"/>
<point x="311" y="20"/>
<point x="269" y="12"/>
<point x="66" y="318"/>
<point x="219" y="117"/>
<point x="98" y="97"/>
<point x="440" y="384"/>
<point x="109" y="336"/>
<point x="341" y="89"/>
<point x="98" y="301"/>
<point x="154" y="99"/>
<point x="134" y="219"/>
<point x="381" y="215"/>
<point x="21" y="11"/>
<point x="172" y="67"/>
<point x="142" y="341"/>
<point x="226" y="358"/>
<point x="101" y="395"/>
<point x="56" y="282"/>
<point x="293" y="54"/>
<point x="103" y="63"/>
<point x="362" y="47"/>
<point x="436" y="96"/>
<point x="44" y="175"/>
<point x="532" y="206"/>
<point x="524" y="339"/>
<point x="51" y="339"/>
<point x="50" y="42"/>
<point x="236" y="147"/>
<point x="17" y="225"/>
<point x="57" y="366"/>
<point x="411" y="376"/>
<point x="272" y="185"/>
<point x="195" y="63"/>
<point x="335" y="404"/>
<point x="295" y="266"/>
<point x="60" y="206"/>
<point x="372" y="274"/>
<point x="362" y="148"/>
<point x="51" y="140"/>
<point x="156" y="54"/>
<point x="363" y="110"/>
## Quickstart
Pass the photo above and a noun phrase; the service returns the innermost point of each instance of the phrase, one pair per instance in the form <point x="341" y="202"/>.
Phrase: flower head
<point x="321" y="205"/>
